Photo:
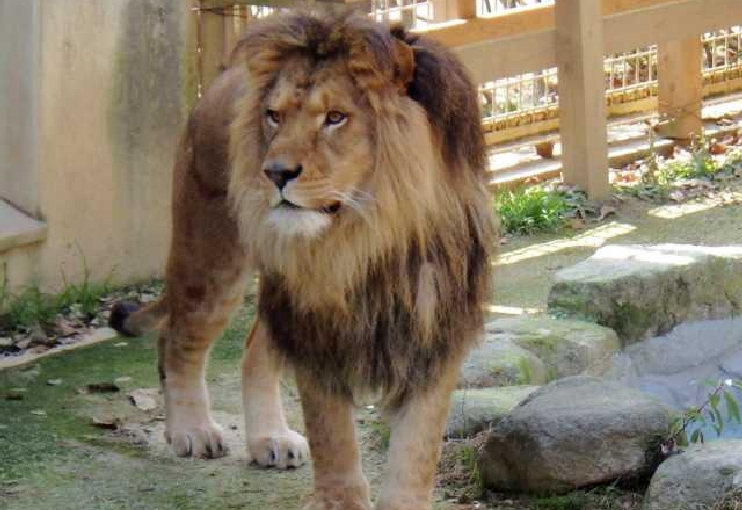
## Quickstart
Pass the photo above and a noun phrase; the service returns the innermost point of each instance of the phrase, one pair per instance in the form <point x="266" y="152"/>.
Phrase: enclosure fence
<point x="629" y="51"/>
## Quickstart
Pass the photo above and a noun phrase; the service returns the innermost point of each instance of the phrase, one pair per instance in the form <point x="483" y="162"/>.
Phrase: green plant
<point x="571" y="501"/>
<point x="383" y="432"/>
<point x="695" y="418"/>
<point x="31" y="306"/>
<point x="468" y="456"/>
<point x="531" y="210"/>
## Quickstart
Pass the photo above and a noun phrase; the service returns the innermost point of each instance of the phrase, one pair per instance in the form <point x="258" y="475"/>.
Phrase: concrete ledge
<point x="17" y="229"/>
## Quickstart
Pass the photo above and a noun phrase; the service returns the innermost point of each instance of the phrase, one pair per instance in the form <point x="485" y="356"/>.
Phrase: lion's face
<point x="318" y="147"/>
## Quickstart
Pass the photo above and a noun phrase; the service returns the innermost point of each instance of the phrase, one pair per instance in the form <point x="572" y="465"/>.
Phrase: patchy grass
<point x="732" y="501"/>
<point x="31" y="306"/>
<point x="531" y="210"/>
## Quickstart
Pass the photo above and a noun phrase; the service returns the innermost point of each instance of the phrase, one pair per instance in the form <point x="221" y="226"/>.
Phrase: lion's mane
<point x="382" y="299"/>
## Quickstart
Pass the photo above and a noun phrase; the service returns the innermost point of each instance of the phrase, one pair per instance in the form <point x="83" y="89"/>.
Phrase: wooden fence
<point x="571" y="35"/>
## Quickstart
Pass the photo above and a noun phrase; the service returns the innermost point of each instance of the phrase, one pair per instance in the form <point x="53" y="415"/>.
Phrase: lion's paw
<point x="337" y="504"/>
<point x="197" y="440"/>
<point x="284" y="450"/>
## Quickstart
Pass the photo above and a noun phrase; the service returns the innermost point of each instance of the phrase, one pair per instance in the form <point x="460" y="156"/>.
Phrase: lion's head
<point x="349" y="132"/>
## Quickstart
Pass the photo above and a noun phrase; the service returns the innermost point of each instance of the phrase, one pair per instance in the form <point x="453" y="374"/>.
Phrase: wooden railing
<point x="572" y="35"/>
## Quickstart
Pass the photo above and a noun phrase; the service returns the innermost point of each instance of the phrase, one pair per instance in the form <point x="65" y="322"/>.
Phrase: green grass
<point x="44" y="457"/>
<point x="572" y="501"/>
<point x="531" y="210"/>
<point x="28" y="440"/>
<point x="31" y="306"/>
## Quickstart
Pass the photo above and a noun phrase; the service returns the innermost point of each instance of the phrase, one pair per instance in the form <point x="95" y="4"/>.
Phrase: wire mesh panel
<point x="411" y="13"/>
<point x="505" y="101"/>
<point x="629" y="77"/>
<point x="489" y="7"/>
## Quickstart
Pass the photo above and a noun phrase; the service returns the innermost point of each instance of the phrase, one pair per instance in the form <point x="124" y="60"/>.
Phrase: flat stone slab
<point x="475" y="410"/>
<point x="703" y="476"/>
<point x="535" y="350"/>
<point x="17" y="229"/>
<point x="573" y="433"/>
<point x="641" y="291"/>
<point x="501" y="362"/>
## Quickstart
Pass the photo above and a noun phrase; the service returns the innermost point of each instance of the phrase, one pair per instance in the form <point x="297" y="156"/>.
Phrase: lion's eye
<point x="335" y="118"/>
<point x="273" y="116"/>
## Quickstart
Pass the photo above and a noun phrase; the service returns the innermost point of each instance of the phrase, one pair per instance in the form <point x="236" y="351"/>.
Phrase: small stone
<point x="39" y="337"/>
<point x="102" y="387"/>
<point x="23" y="344"/>
<point x="143" y="398"/>
<point x="64" y="327"/>
<point x="109" y="423"/>
<point x="147" y="298"/>
<point x="16" y="394"/>
<point x="38" y="412"/>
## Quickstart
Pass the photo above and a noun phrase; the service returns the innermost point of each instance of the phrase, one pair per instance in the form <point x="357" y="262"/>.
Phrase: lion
<point x="344" y="161"/>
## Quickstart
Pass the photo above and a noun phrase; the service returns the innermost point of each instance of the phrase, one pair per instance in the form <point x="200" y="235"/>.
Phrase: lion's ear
<point x="404" y="65"/>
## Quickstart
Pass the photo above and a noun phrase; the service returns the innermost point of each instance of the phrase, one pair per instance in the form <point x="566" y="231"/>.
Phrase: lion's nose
<point x="281" y="174"/>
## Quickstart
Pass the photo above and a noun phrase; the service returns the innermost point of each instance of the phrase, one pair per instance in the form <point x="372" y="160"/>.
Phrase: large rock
<point x="644" y="291"/>
<point x="475" y="410"/>
<point x="564" y="347"/>
<point x="573" y="433"/>
<point x="501" y="362"/>
<point x="699" y="478"/>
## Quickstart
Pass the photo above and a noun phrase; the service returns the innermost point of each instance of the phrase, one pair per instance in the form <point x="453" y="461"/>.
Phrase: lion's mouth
<point x="328" y="209"/>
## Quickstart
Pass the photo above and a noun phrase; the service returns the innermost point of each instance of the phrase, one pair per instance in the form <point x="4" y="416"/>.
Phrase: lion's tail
<point x="130" y="320"/>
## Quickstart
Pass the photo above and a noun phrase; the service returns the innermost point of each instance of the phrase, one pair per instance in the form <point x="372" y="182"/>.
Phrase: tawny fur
<point x="372" y="282"/>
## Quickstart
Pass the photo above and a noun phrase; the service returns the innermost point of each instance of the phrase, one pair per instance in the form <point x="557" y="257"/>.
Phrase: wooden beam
<point x="211" y="4"/>
<point x="494" y="48"/>
<point x="582" y="107"/>
<point x="459" y="32"/>
<point x="669" y="21"/>
<point x="230" y="33"/>
<point x="212" y="47"/>
<point x="680" y="76"/>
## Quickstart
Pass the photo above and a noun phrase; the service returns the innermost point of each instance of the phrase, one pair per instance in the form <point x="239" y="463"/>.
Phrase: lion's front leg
<point x="415" y="445"/>
<point x="270" y="441"/>
<point x="339" y="482"/>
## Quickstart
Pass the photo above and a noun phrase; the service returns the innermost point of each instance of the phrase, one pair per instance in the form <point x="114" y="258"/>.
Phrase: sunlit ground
<point x="526" y="267"/>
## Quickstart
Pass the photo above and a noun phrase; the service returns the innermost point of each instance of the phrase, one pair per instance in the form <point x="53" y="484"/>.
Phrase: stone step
<point x="532" y="350"/>
<point x="17" y="229"/>
<point x="642" y="291"/>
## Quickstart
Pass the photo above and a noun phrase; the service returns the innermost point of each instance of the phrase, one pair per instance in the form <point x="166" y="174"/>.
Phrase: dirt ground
<point x="52" y="457"/>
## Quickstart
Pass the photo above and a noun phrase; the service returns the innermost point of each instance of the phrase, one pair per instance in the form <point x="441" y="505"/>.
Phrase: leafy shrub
<point x="531" y="210"/>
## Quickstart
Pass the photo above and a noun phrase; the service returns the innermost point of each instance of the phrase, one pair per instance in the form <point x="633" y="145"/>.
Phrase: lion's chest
<point x="371" y="346"/>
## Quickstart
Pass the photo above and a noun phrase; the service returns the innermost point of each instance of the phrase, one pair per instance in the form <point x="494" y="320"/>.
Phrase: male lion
<point x="345" y="162"/>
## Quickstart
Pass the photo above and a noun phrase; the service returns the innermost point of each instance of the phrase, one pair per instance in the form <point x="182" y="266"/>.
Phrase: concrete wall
<point x="19" y="72"/>
<point x="99" y="92"/>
